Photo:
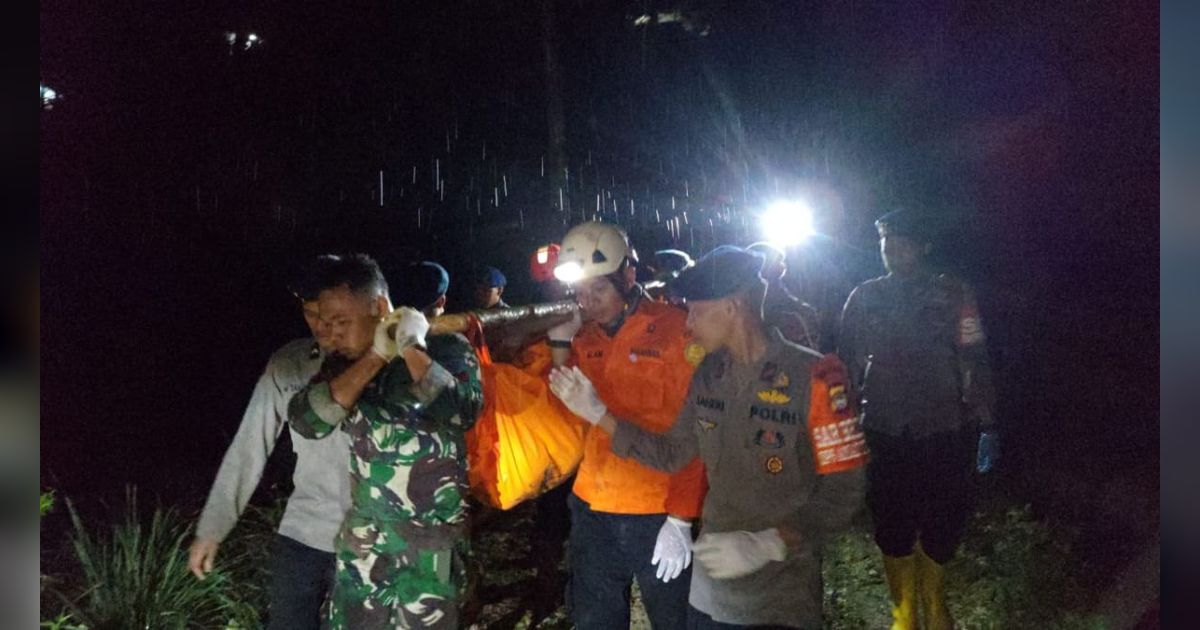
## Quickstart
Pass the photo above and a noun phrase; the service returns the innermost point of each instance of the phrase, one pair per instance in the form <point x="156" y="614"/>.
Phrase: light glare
<point x="568" y="272"/>
<point x="787" y="223"/>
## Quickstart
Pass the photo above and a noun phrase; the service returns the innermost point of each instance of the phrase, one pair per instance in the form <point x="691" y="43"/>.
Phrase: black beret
<point x="904" y="223"/>
<point x="720" y="273"/>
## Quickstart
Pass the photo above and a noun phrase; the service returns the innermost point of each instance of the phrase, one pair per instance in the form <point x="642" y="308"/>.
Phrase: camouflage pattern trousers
<point x="398" y="575"/>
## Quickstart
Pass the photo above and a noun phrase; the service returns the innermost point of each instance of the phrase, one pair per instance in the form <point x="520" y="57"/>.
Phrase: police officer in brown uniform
<point x="914" y="343"/>
<point x="778" y="434"/>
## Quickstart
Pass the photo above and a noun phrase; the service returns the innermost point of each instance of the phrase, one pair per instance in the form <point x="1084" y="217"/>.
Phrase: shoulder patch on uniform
<point x="838" y="401"/>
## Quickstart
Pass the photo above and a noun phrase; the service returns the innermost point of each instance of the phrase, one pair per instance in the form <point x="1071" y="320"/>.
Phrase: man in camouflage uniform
<point x="406" y="405"/>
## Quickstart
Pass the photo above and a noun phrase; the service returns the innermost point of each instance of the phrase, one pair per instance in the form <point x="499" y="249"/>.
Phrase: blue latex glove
<point x="989" y="451"/>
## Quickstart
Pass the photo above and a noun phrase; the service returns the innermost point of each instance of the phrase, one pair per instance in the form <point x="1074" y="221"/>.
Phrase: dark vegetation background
<point x="180" y="176"/>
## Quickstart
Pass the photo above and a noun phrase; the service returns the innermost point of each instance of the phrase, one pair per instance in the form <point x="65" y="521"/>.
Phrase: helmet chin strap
<point x="631" y="296"/>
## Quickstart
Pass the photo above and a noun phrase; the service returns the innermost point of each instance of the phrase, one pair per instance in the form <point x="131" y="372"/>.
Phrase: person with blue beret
<point x="489" y="287"/>
<point x="423" y="286"/>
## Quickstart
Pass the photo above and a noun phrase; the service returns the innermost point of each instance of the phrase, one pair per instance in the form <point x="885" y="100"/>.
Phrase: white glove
<point x="577" y="393"/>
<point x="566" y="330"/>
<point x="673" y="549"/>
<point x="731" y="555"/>
<point x="384" y="345"/>
<point x="411" y="327"/>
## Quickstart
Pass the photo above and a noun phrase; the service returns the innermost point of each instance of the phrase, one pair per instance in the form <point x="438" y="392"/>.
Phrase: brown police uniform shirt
<point x="749" y="423"/>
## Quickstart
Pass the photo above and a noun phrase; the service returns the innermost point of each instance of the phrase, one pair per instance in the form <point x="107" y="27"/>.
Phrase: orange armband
<point x="834" y="426"/>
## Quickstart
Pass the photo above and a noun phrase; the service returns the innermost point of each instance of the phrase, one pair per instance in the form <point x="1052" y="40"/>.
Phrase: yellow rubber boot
<point x="933" y="594"/>
<point x="902" y="586"/>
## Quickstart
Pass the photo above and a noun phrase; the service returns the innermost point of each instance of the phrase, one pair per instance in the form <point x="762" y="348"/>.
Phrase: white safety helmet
<point x="591" y="250"/>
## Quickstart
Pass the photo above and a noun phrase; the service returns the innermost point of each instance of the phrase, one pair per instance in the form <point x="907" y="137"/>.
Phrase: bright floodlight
<point x="49" y="96"/>
<point x="787" y="223"/>
<point x="568" y="272"/>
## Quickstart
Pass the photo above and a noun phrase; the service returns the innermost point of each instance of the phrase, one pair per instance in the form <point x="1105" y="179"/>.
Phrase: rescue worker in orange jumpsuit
<point x="628" y="521"/>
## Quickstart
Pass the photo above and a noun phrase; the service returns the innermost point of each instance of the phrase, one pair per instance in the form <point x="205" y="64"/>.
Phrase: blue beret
<point x="718" y="274"/>
<point x="422" y="283"/>
<point x="492" y="277"/>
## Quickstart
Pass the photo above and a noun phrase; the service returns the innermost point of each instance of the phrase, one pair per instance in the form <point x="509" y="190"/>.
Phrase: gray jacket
<point x="321" y="497"/>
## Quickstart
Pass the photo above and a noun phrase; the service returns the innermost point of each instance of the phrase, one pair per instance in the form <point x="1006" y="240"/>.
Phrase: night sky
<point x="180" y="176"/>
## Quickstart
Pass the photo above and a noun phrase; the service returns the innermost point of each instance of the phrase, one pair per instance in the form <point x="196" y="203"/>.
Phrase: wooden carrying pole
<point x="460" y="322"/>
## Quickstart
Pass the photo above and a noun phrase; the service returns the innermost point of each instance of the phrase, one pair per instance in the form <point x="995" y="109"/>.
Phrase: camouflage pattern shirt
<point x="408" y="455"/>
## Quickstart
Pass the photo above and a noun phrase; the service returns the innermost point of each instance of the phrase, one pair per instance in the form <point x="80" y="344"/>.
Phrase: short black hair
<point x="306" y="278"/>
<point x="357" y="272"/>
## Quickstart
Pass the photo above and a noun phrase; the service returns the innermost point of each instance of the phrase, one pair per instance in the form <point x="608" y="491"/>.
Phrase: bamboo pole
<point x="460" y="322"/>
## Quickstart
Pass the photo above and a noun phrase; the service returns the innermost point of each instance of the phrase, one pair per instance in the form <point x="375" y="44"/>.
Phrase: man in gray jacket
<point x="302" y="555"/>
<point x="777" y="431"/>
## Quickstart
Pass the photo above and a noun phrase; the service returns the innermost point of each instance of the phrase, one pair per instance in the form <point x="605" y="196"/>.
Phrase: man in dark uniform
<point x="795" y="318"/>
<point x="914" y="343"/>
<point x="666" y="265"/>
<point x="489" y="289"/>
